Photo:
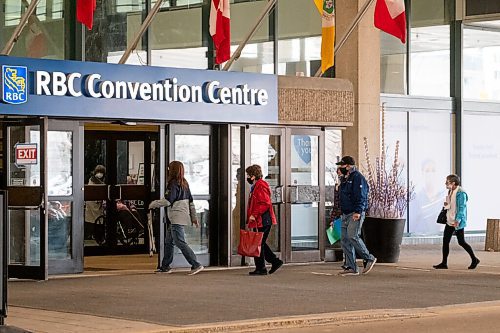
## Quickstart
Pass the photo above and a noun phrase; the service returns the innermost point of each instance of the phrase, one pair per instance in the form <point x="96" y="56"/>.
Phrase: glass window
<point x="430" y="61"/>
<point x="258" y="54"/>
<point x="43" y="36"/>
<point x="197" y="238"/>
<point x="304" y="171"/>
<point x="482" y="61"/>
<point x="481" y="149"/>
<point x="176" y="38"/>
<point x="299" y="45"/>
<point x="59" y="156"/>
<point x="115" y="26"/>
<point x="194" y="152"/>
<point x="392" y="65"/>
<point x="59" y="229"/>
<point x="428" y="168"/>
<point x="481" y="7"/>
<point x="24" y="237"/>
<point x="237" y="186"/>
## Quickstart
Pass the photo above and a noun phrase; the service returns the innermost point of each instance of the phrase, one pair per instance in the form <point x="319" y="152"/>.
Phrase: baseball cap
<point x="348" y="160"/>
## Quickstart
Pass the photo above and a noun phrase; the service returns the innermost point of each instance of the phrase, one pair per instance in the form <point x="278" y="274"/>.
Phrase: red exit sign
<point x="26" y="153"/>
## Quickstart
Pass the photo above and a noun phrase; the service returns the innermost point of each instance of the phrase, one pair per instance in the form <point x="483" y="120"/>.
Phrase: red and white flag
<point x="390" y="17"/>
<point x="220" y="30"/>
<point x="85" y="12"/>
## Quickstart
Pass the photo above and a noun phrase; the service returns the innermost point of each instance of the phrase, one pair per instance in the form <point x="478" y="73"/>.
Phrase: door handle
<point x="109" y="192"/>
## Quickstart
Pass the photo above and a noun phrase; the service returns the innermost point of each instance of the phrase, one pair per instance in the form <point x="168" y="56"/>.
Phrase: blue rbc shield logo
<point x="14" y="84"/>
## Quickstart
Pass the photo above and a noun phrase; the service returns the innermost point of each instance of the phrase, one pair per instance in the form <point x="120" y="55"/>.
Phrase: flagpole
<point x="22" y="23"/>
<point x="237" y="53"/>
<point x="145" y="25"/>
<point x="349" y="31"/>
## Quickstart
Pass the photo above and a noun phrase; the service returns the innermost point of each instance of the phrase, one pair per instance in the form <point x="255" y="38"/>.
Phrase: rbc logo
<point x="14" y="84"/>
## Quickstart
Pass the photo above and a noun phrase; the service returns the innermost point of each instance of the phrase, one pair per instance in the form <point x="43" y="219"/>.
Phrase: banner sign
<point x="109" y="91"/>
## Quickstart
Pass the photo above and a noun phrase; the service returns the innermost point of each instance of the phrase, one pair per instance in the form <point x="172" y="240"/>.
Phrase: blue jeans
<point x="175" y="236"/>
<point x="352" y="242"/>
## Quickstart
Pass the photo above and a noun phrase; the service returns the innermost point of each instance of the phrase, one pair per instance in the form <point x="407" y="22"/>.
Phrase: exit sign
<point x="26" y="153"/>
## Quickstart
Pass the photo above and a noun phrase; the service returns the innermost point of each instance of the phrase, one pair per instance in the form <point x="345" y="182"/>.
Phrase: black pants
<point x="265" y="252"/>
<point x="448" y="233"/>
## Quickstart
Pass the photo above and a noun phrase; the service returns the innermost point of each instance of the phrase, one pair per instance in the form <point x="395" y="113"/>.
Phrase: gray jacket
<point x="179" y="203"/>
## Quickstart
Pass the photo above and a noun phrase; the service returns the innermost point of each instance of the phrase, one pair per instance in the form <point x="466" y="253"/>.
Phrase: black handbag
<point x="442" y="217"/>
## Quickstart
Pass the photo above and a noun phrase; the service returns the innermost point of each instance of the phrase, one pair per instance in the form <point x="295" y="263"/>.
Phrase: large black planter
<point x="383" y="237"/>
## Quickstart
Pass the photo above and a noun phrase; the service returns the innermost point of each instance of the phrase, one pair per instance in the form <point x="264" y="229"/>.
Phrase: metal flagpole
<point x="349" y="31"/>
<point x="237" y="53"/>
<point x="22" y="23"/>
<point x="145" y="25"/>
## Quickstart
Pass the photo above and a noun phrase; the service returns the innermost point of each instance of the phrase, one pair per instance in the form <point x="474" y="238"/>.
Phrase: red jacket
<point x="258" y="203"/>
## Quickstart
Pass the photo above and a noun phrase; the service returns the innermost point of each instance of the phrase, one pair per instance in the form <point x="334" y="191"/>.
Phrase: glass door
<point x="306" y="196"/>
<point x="26" y="179"/>
<point x="191" y="145"/>
<point x="119" y="177"/>
<point x="267" y="150"/>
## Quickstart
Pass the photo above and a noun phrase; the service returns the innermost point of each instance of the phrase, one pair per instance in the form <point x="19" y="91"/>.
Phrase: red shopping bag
<point x="250" y="243"/>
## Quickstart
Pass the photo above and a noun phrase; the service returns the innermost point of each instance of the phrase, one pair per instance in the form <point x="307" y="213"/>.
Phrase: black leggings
<point x="448" y="233"/>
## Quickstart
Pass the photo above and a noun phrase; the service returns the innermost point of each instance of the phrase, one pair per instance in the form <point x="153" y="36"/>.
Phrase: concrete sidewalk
<point x="230" y="300"/>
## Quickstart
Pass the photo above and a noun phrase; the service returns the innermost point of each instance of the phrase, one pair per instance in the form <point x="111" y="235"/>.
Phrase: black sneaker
<point x="256" y="272"/>
<point x="441" y="266"/>
<point x="166" y="270"/>
<point x="276" y="266"/>
<point x="474" y="263"/>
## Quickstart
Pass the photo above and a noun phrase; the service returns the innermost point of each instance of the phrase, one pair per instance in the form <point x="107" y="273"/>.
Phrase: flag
<point x="220" y="30"/>
<point x="390" y="17"/>
<point x="85" y="12"/>
<point x="327" y="12"/>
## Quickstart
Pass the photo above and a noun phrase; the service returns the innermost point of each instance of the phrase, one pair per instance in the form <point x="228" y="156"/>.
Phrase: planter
<point x="383" y="237"/>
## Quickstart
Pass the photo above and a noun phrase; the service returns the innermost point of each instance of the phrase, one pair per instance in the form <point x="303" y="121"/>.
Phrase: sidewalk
<point x="229" y="300"/>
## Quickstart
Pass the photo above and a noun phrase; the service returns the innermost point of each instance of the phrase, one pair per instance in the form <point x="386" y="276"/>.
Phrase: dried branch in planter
<point x="388" y="196"/>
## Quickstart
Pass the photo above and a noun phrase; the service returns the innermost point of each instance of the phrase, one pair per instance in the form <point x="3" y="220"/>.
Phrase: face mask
<point x="449" y="187"/>
<point x="250" y="181"/>
<point x="344" y="171"/>
<point x="99" y="175"/>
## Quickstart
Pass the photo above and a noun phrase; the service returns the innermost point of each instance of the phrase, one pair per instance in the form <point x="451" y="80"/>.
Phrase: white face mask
<point x="99" y="175"/>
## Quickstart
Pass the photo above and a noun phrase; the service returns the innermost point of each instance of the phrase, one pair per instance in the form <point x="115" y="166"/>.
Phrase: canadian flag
<point x="85" y="12"/>
<point x="390" y="17"/>
<point x="220" y="30"/>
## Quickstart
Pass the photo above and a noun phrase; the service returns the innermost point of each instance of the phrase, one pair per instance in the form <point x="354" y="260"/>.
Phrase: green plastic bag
<point x="333" y="233"/>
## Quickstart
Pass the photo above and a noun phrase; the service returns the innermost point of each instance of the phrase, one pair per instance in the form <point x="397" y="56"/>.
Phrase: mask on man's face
<point x="99" y="175"/>
<point x="249" y="180"/>
<point x="344" y="170"/>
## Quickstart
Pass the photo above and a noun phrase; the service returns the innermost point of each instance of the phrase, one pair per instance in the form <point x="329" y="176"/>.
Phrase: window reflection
<point x="59" y="156"/>
<point x="59" y="229"/>
<point x="193" y="151"/>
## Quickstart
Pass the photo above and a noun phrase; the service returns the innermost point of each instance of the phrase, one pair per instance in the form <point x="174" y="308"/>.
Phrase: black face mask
<point x="344" y="171"/>
<point x="250" y="181"/>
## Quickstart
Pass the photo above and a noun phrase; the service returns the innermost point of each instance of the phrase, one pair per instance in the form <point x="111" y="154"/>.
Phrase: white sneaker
<point x="196" y="270"/>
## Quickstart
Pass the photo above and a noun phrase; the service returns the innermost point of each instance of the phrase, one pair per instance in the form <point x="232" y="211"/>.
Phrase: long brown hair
<point x="176" y="173"/>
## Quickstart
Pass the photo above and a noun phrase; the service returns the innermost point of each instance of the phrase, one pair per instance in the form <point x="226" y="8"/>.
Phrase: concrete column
<point x="359" y="62"/>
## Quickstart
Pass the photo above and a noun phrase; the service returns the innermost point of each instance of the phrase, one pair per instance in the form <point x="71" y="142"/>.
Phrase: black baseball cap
<point x="346" y="160"/>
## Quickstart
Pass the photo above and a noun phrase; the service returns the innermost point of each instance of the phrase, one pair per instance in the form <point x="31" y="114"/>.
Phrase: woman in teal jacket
<point x="456" y="214"/>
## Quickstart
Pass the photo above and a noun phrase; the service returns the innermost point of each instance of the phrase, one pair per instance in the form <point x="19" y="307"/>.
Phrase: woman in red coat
<point x="260" y="214"/>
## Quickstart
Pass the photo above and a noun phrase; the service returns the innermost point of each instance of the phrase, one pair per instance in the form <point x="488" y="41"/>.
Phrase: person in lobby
<point x="180" y="213"/>
<point x="95" y="209"/>
<point x="456" y="220"/>
<point x="353" y="204"/>
<point x="260" y="215"/>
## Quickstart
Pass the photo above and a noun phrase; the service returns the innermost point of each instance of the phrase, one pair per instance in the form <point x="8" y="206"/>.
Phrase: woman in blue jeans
<point x="180" y="212"/>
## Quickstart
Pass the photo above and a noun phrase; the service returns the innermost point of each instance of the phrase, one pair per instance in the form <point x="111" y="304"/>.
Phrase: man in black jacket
<point x="353" y="203"/>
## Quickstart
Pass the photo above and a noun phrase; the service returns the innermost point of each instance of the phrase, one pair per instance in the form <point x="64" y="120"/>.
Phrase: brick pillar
<point x="359" y="62"/>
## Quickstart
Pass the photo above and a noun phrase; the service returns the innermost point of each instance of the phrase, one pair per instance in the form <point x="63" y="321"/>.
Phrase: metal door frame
<point x="39" y="272"/>
<point x="307" y="255"/>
